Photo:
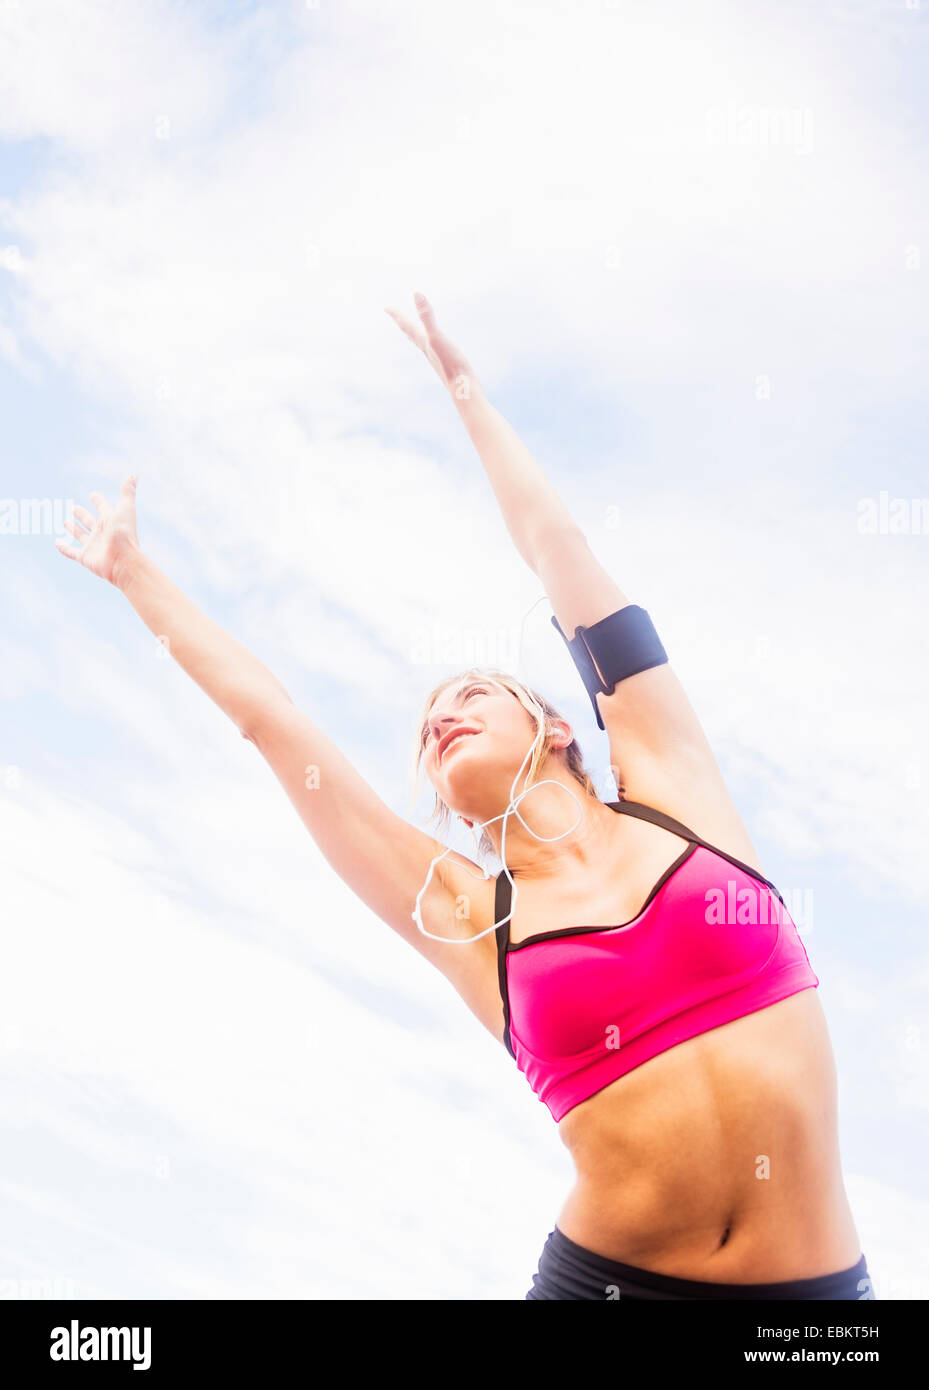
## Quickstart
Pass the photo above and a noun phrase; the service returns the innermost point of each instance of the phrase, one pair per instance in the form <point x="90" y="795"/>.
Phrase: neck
<point x="550" y="811"/>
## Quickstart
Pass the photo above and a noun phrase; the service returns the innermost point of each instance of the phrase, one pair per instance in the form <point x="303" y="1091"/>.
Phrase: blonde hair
<point x="540" y="710"/>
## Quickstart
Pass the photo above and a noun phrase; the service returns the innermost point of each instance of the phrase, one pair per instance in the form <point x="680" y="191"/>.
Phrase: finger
<point x="71" y="551"/>
<point x="127" y="491"/>
<point x="425" y="311"/>
<point x="85" y="517"/>
<point x="414" y="331"/>
<point x="81" y="536"/>
<point x="401" y="320"/>
<point x="100" y="502"/>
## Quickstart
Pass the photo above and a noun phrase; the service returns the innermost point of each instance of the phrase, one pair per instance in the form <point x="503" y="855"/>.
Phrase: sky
<point x="685" y="248"/>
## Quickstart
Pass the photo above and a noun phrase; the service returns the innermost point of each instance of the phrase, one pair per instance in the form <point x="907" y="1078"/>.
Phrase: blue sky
<point x="686" y="252"/>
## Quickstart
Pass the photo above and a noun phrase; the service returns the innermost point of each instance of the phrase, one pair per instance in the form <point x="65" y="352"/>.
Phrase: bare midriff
<point x="719" y="1158"/>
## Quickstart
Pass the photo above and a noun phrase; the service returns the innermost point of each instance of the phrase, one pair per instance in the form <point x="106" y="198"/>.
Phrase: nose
<point x="440" y="726"/>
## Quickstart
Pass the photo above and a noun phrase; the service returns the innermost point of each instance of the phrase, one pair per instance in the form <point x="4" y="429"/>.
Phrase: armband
<point x="613" y="649"/>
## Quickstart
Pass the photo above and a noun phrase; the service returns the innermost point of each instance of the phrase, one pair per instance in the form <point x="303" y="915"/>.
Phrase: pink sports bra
<point x="585" y="1005"/>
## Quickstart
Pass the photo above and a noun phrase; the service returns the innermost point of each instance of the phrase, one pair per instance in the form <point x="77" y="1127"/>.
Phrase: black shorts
<point x="569" y="1271"/>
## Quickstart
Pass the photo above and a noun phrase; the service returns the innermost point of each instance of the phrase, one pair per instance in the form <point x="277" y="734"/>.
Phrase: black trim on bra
<point x="501" y="909"/>
<point x="503" y="896"/>
<point x="642" y="812"/>
<point x="613" y="926"/>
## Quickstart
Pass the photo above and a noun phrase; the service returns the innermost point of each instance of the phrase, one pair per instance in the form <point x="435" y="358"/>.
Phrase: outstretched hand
<point x="449" y="362"/>
<point x="104" y="541"/>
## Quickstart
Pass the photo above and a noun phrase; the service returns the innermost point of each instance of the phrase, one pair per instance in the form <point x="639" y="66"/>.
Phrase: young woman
<point x="643" y="974"/>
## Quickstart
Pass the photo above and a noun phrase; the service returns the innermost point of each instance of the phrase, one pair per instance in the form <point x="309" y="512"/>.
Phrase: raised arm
<point x="380" y="856"/>
<point x="534" y="514"/>
<point x="656" y="738"/>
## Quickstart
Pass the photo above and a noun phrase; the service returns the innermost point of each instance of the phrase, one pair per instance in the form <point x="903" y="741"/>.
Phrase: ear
<point x="562" y="733"/>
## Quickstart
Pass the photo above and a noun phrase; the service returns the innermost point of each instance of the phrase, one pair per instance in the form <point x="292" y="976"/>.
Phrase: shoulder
<point x="471" y="964"/>
<point x="691" y="789"/>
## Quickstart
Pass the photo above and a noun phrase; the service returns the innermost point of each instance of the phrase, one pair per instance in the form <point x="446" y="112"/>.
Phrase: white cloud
<point x="99" y="79"/>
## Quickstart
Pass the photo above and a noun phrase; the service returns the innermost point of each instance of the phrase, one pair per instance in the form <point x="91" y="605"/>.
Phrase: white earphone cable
<point x="512" y="808"/>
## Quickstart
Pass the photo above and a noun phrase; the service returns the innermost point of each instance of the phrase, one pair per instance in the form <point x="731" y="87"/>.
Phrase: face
<point x="474" y="738"/>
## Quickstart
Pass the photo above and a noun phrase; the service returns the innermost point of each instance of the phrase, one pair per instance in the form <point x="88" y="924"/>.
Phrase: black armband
<point x="616" y="647"/>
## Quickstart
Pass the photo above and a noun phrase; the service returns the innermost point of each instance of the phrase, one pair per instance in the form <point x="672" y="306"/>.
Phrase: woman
<point x="644" y="975"/>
